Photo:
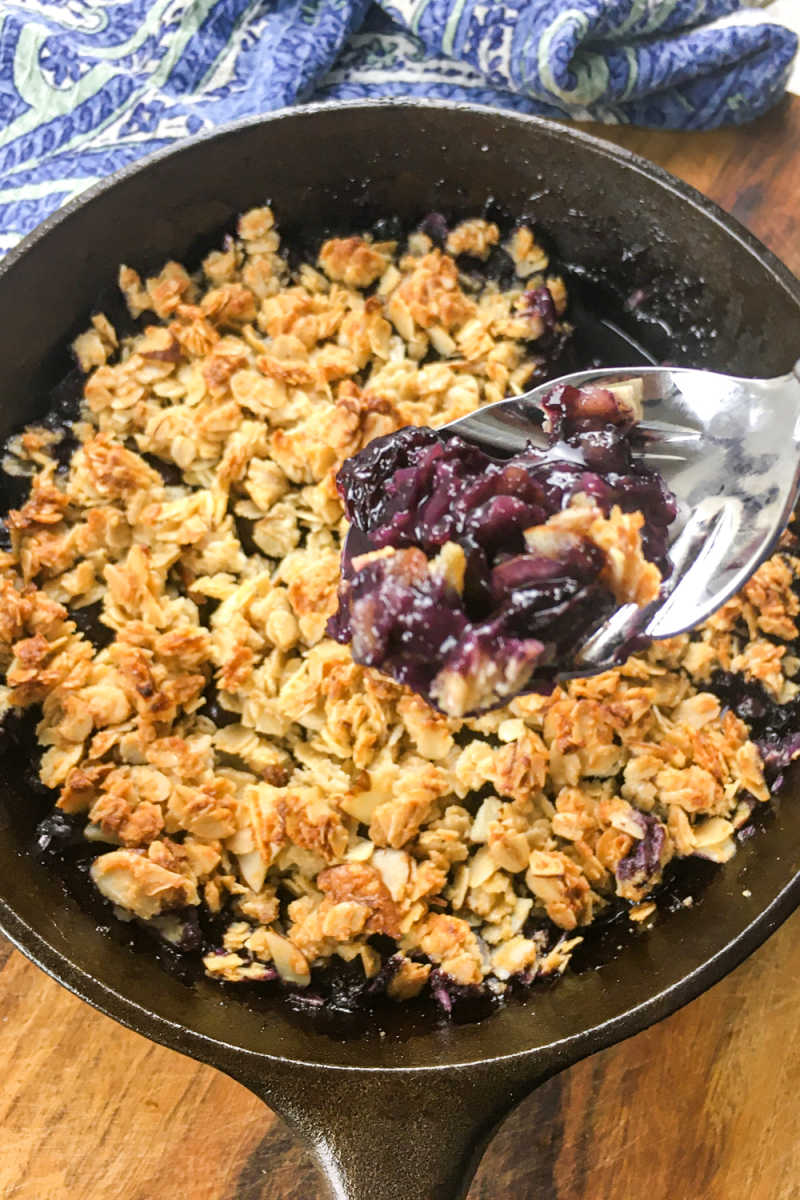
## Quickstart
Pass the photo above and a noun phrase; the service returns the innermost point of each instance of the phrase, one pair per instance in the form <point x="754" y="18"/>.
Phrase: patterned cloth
<point x="87" y="86"/>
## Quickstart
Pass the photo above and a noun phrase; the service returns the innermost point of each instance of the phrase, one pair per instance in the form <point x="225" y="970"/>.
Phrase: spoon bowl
<point x="728" y="448"/>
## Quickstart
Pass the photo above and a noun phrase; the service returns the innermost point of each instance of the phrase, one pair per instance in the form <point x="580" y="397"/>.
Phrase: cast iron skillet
<point x="406" y="1115"/>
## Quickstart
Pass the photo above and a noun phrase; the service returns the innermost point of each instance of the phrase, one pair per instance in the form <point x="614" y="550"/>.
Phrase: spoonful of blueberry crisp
<point x="551" y="534"/>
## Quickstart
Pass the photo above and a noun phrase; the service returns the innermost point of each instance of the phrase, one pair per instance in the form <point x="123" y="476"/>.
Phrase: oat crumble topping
<point x="219" y="751"/>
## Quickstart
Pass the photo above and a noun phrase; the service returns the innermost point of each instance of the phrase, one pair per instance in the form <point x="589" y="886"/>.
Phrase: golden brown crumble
<point x="474" y="237"/>
<point x="334" y="805"/>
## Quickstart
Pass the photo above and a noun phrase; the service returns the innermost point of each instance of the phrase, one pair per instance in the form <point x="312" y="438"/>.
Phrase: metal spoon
<point x="728" y="448"/>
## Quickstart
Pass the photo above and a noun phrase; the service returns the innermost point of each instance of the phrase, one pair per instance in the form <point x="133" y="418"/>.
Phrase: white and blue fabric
<point x="87" y="86"/>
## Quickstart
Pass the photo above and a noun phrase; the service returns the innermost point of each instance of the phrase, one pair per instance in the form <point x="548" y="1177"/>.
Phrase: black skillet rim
<point x="182" y="1038"/>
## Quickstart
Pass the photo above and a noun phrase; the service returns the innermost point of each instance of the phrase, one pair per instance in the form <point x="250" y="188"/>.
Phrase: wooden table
<point x="705" y="1106"/>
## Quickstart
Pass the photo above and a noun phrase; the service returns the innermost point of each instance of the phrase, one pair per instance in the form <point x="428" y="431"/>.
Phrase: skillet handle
<point x="395" y="1134"/>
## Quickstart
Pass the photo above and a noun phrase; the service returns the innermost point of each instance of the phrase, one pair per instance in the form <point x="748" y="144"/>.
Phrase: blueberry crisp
<point x="243" y="784"/>
<point x="479" y="577"/>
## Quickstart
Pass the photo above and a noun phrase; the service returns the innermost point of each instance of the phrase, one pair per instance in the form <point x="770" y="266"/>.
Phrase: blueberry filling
<point x="643" y="862"/>
<point x="435" y="227"/>
<point x="452" y="580"/>
<point x="88" y="619"/>
<point x="774" y="727"/>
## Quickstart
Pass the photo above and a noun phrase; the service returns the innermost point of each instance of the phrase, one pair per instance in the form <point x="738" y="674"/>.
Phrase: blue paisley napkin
<point x="89" y="85"/>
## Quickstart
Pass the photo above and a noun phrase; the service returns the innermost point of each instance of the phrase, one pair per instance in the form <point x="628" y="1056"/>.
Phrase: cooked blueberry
<point x="169" y="471"/>
<point x="88" y="622"/>
<point x="643" y="862"/>
<point x="215" y="711"/>
<point x="435" y="226"/>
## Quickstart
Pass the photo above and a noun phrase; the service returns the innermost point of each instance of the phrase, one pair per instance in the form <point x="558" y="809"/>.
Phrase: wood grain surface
<point x="705" y="1106"/>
